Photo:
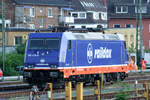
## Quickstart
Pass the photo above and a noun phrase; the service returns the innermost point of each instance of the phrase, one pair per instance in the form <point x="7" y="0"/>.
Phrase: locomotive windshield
<point x="52" y="43"/>
<point x="36" y="44"/>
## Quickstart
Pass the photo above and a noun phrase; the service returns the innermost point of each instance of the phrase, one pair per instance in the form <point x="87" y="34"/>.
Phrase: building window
<point x="78" y="15"/>
<point x="18" y="40"/>
<point x="72" y="26"/>
<point x="121" y="9"/>
<point x="75" y="15"/>
<point x="103" y="15"/>
<point x="83" y="26"/>
<point x="129" y="26"/>
<point x="50" y="12"/>
<point x="41" y="22"/>
<point x="143" y="9"/>
<point x="132" y="39"/>
<point x="96" y="15"/>
<point x="32" y="12"/>
<point x="82" y="15"/>
<point x="32" y="26"/>
<point x="117" y="26"/>
<point x="41" y="10"/>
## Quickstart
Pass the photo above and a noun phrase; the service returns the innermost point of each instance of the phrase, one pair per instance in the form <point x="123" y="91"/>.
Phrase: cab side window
<point x="69" y="45"/>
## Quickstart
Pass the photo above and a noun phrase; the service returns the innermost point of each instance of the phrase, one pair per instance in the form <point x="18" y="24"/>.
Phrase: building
<point x="48" y="13"/>
<point x="128" y="33"/>
<point x="9" y="14"/>
<point x="122" y="14"/>
<point x="36" y="13"/>
<point x="88" y="13"/>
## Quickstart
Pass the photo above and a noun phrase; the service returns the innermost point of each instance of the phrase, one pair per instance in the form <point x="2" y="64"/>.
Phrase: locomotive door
<point x="69" y="53"/>
<point x="122" y="52"/>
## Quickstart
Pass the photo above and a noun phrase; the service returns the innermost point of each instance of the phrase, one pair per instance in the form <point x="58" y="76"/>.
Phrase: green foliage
<point x="122" y="95"/>
<point x="13" y="60"/>
<point x="10" y="72"/>
<point x="147" y="51"/>
<point x="131" y="49"/>
<point x="21" y="48"/>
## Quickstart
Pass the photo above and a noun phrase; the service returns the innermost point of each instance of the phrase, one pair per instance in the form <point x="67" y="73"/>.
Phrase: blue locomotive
<point x="57" y="57"/>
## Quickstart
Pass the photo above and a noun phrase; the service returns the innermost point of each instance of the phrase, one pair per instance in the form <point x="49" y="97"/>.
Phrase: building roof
<point x="88" y="5"/>
<point x="42" y="2"/>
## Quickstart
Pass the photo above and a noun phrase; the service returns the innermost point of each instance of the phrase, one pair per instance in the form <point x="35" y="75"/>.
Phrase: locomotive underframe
<point x="40" y="77"/>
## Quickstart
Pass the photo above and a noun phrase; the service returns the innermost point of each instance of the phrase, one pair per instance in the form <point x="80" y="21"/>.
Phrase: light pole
<point x="137" y="25"/>
<point x="139" y="29"/>
<point x="3" y="34"/>
<point x="141" y="34"/>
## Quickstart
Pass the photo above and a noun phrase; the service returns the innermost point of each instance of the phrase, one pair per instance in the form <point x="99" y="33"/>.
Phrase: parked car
<point x="20" y="69"/>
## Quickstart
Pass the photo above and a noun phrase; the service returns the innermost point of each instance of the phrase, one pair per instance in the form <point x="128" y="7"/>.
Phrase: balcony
<point x="66" y="19"/>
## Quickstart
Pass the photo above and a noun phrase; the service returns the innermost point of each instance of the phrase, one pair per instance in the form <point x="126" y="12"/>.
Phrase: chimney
<point x="104" y="2"/>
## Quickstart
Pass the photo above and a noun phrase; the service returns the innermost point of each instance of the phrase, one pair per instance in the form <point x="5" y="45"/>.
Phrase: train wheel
<point x="118" y="77"/>
<point x="122" y="76"/>
<point x="108" y="77"/>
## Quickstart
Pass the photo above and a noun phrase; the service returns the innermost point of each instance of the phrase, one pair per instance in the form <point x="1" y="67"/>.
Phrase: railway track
<point x="11" y="82"/>
<point x="18" y="88"/>
<point x="89" y="97"/>
<point x="14" y="85"/>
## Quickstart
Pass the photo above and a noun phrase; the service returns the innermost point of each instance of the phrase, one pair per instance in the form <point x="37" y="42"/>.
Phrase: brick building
<point x="36" y="13"/>
<point x="122" y="14"/>
<point x="9" y="13"/>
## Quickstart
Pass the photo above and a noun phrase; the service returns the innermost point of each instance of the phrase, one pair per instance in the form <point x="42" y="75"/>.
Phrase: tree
<point x="13" y="60"/>
<point x="131" y="49"/>
<point x="21" y="48"/>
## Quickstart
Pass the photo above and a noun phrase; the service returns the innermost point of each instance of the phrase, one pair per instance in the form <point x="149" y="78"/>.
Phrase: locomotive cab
<point x="42" y="56"/>
<point x="42" y="51"/>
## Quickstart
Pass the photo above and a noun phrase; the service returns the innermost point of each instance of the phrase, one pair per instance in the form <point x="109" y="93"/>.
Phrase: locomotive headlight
<point x="53" y="66"/>
<point x="53" y="74"/>
<point x="42" y="60"/>
<point x="30" y="66"/>
<point x="27" y="74"/>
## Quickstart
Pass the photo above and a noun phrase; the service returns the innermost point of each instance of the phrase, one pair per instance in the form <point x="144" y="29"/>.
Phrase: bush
<point x="147" y="51"/>
<point x="21" y="49"/>
<point x="121" y="96"/>
<point x="13" y="60"/>
<point x="9" y="71"/>
<point x="131" y="49"/>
